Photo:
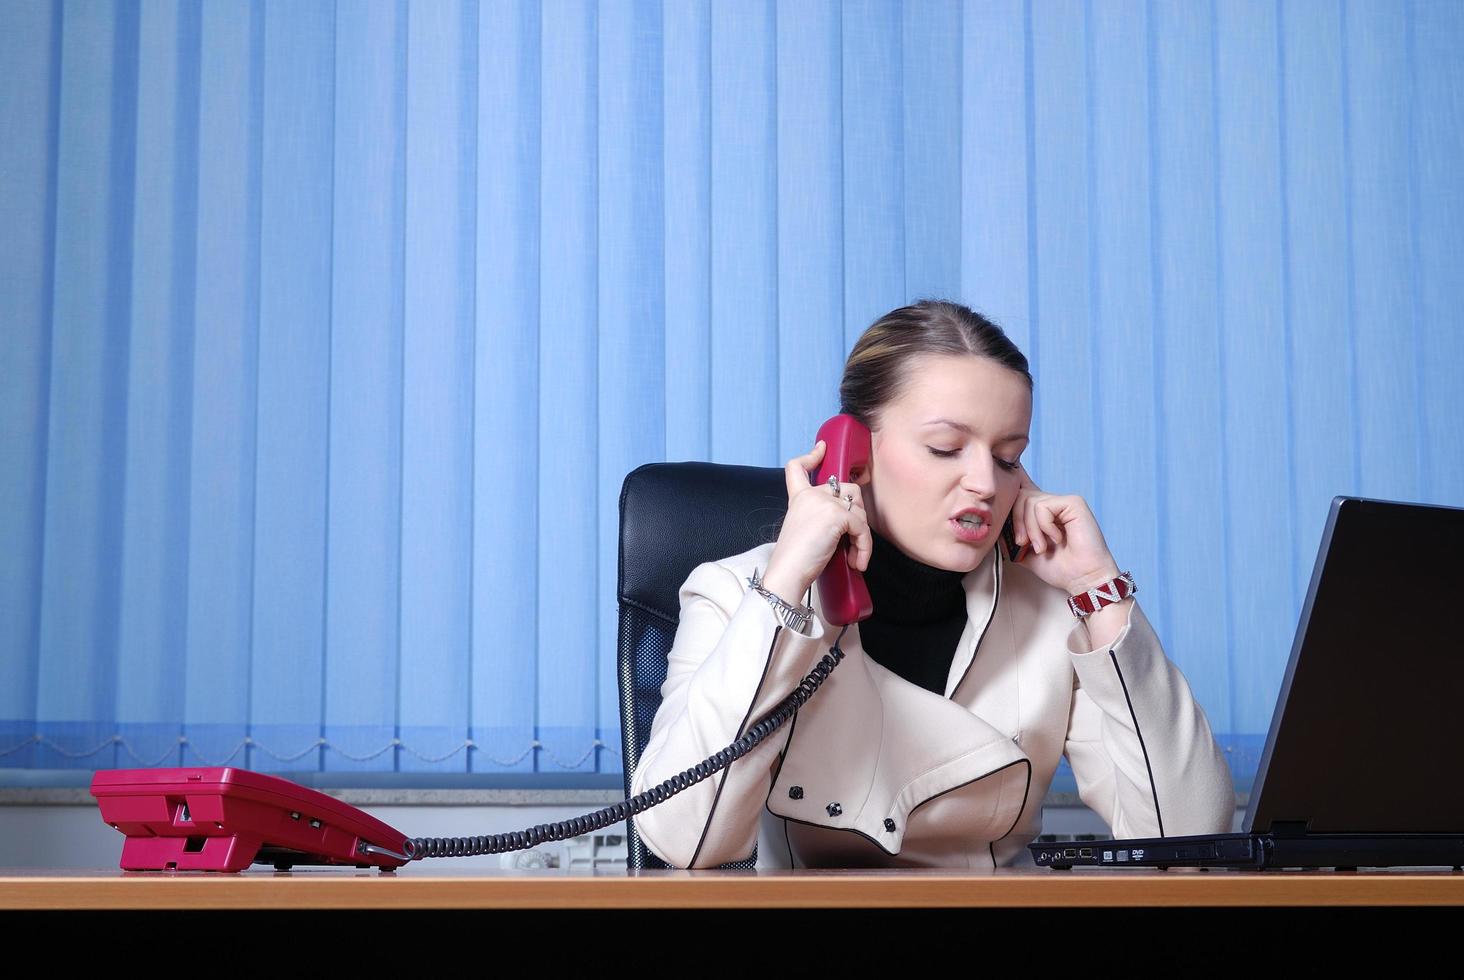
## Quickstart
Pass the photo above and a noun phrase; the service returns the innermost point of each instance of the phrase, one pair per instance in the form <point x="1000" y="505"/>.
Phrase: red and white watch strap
<point x="1102" y="594"/>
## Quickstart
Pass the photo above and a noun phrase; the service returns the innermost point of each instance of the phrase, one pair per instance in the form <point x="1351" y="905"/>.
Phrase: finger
<point x="1029" y="521"/>
<point x="856" y="531"/>
<point x="795" y="474"/>
<point x="862" y="543"/>
<point x="1049" y="524"/>
<point x="1018" y="517"/>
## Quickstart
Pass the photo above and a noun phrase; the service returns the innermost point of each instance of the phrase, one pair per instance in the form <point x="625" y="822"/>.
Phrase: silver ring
<point x="848" y="501"/>
<point x="834" y="485"/>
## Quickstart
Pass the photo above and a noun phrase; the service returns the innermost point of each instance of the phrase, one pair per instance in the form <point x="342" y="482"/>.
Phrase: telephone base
<point x="225" y="819"/>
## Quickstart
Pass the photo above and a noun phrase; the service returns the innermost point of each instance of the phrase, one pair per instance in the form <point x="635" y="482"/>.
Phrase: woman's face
<point x="946" y="448"/>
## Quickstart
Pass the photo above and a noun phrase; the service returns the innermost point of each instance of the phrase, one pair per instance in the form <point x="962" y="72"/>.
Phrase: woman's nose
<point x="980" y="479"/>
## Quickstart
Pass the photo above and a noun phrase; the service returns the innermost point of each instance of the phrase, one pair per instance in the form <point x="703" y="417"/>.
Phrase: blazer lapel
<point x="983" y="592"/>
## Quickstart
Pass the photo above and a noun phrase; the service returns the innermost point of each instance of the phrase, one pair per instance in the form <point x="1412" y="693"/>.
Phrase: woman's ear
<point x="862" y="476"/>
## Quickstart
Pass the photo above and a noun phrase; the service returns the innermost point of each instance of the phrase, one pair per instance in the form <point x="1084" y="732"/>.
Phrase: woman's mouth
<point x="970" y="527"/>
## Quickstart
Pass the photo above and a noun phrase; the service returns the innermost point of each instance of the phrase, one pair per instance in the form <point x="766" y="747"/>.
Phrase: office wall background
<point x="330" y="330"/>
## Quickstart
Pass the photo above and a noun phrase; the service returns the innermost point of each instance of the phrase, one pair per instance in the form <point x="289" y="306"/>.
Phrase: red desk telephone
<point x="225" y="819"/>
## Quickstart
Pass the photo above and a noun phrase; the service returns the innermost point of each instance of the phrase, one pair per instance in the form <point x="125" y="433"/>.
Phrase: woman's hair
<point x="877" y="368"/>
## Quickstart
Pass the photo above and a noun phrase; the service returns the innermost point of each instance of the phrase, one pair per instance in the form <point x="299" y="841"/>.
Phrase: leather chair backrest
<point x="673" y="517"/>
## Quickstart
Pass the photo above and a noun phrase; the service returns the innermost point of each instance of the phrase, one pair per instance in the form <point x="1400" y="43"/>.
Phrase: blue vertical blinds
<point x="330" y="329"/>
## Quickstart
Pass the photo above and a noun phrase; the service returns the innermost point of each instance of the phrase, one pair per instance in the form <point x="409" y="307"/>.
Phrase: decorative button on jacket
<point x="946" y="770"/>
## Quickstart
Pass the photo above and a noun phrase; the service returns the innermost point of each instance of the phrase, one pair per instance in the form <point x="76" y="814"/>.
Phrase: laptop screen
<point x="1367" y="733"/>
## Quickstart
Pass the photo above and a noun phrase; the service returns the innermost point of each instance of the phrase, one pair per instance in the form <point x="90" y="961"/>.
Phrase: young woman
<point x="934" y="742"/>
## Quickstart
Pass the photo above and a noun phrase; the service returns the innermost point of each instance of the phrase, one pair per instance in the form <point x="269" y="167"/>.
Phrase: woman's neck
<point x="905" y="590"/>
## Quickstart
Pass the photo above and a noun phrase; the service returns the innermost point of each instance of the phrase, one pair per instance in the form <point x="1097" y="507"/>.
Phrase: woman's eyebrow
<point x="967" y="429"/>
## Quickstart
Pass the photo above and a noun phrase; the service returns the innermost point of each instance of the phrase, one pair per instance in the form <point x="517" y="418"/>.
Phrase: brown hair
<point x="876" y="370"/>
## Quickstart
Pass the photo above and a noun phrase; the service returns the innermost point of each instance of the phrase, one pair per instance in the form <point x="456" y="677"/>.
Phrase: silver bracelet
<point x="796" y="618"/>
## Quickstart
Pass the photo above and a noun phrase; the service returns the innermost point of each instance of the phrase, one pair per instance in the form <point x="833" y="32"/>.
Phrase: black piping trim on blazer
<point x="1016" y="762"/>
<point x="767" y="665"/>
<point x="782" y="757"/>
<point x="989" y="620"/>
<point x="991" y="845"/>
<point x="1152" y="788"/>
<point x="856" y="830"/>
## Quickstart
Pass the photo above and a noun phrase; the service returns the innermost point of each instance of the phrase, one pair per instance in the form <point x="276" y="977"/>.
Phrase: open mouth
<point x="971" y="527"/>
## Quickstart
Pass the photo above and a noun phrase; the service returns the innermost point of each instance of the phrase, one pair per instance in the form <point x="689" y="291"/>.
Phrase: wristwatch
<point x="796" y="618"/>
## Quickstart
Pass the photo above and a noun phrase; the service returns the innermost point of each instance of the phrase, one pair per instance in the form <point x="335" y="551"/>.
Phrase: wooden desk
<point x="426" y="887"/>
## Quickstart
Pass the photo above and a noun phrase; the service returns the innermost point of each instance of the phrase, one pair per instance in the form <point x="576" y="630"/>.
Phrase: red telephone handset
<point x="841" y="589"/>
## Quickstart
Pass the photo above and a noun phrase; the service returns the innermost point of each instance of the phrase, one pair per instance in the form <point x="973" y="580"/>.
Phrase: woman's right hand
<point x="817" y="521"/>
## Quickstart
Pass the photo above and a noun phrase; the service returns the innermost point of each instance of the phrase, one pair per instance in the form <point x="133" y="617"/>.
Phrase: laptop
<point x="1362" y="764"/>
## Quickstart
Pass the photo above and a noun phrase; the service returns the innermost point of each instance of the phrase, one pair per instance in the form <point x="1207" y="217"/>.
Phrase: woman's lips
<point x="971" y="535"/>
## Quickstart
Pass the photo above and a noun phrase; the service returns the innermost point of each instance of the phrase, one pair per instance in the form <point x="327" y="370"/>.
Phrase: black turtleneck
<point x="919" y="615"/>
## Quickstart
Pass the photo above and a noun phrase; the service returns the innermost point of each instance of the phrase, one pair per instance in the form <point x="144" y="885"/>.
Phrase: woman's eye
<point x="1010" y="465"/>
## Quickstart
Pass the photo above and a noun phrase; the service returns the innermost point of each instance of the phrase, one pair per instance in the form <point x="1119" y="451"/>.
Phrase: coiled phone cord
<point x="436" y="847"/>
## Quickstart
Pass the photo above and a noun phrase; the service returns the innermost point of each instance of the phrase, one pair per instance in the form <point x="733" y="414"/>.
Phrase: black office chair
<point x="673" y="517"/>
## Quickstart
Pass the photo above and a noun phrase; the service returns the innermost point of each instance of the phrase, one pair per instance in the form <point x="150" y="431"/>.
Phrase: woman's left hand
<point x="1067" y="548"/>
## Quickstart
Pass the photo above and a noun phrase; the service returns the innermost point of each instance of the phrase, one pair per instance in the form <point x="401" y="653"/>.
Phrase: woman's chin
<point x="960" y="557"/>
<point x="947" y="554"/>
<point x="971" y="555"/>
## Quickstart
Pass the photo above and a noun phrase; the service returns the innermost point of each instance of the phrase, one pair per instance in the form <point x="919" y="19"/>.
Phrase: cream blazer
<point x="874" y="771"/>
